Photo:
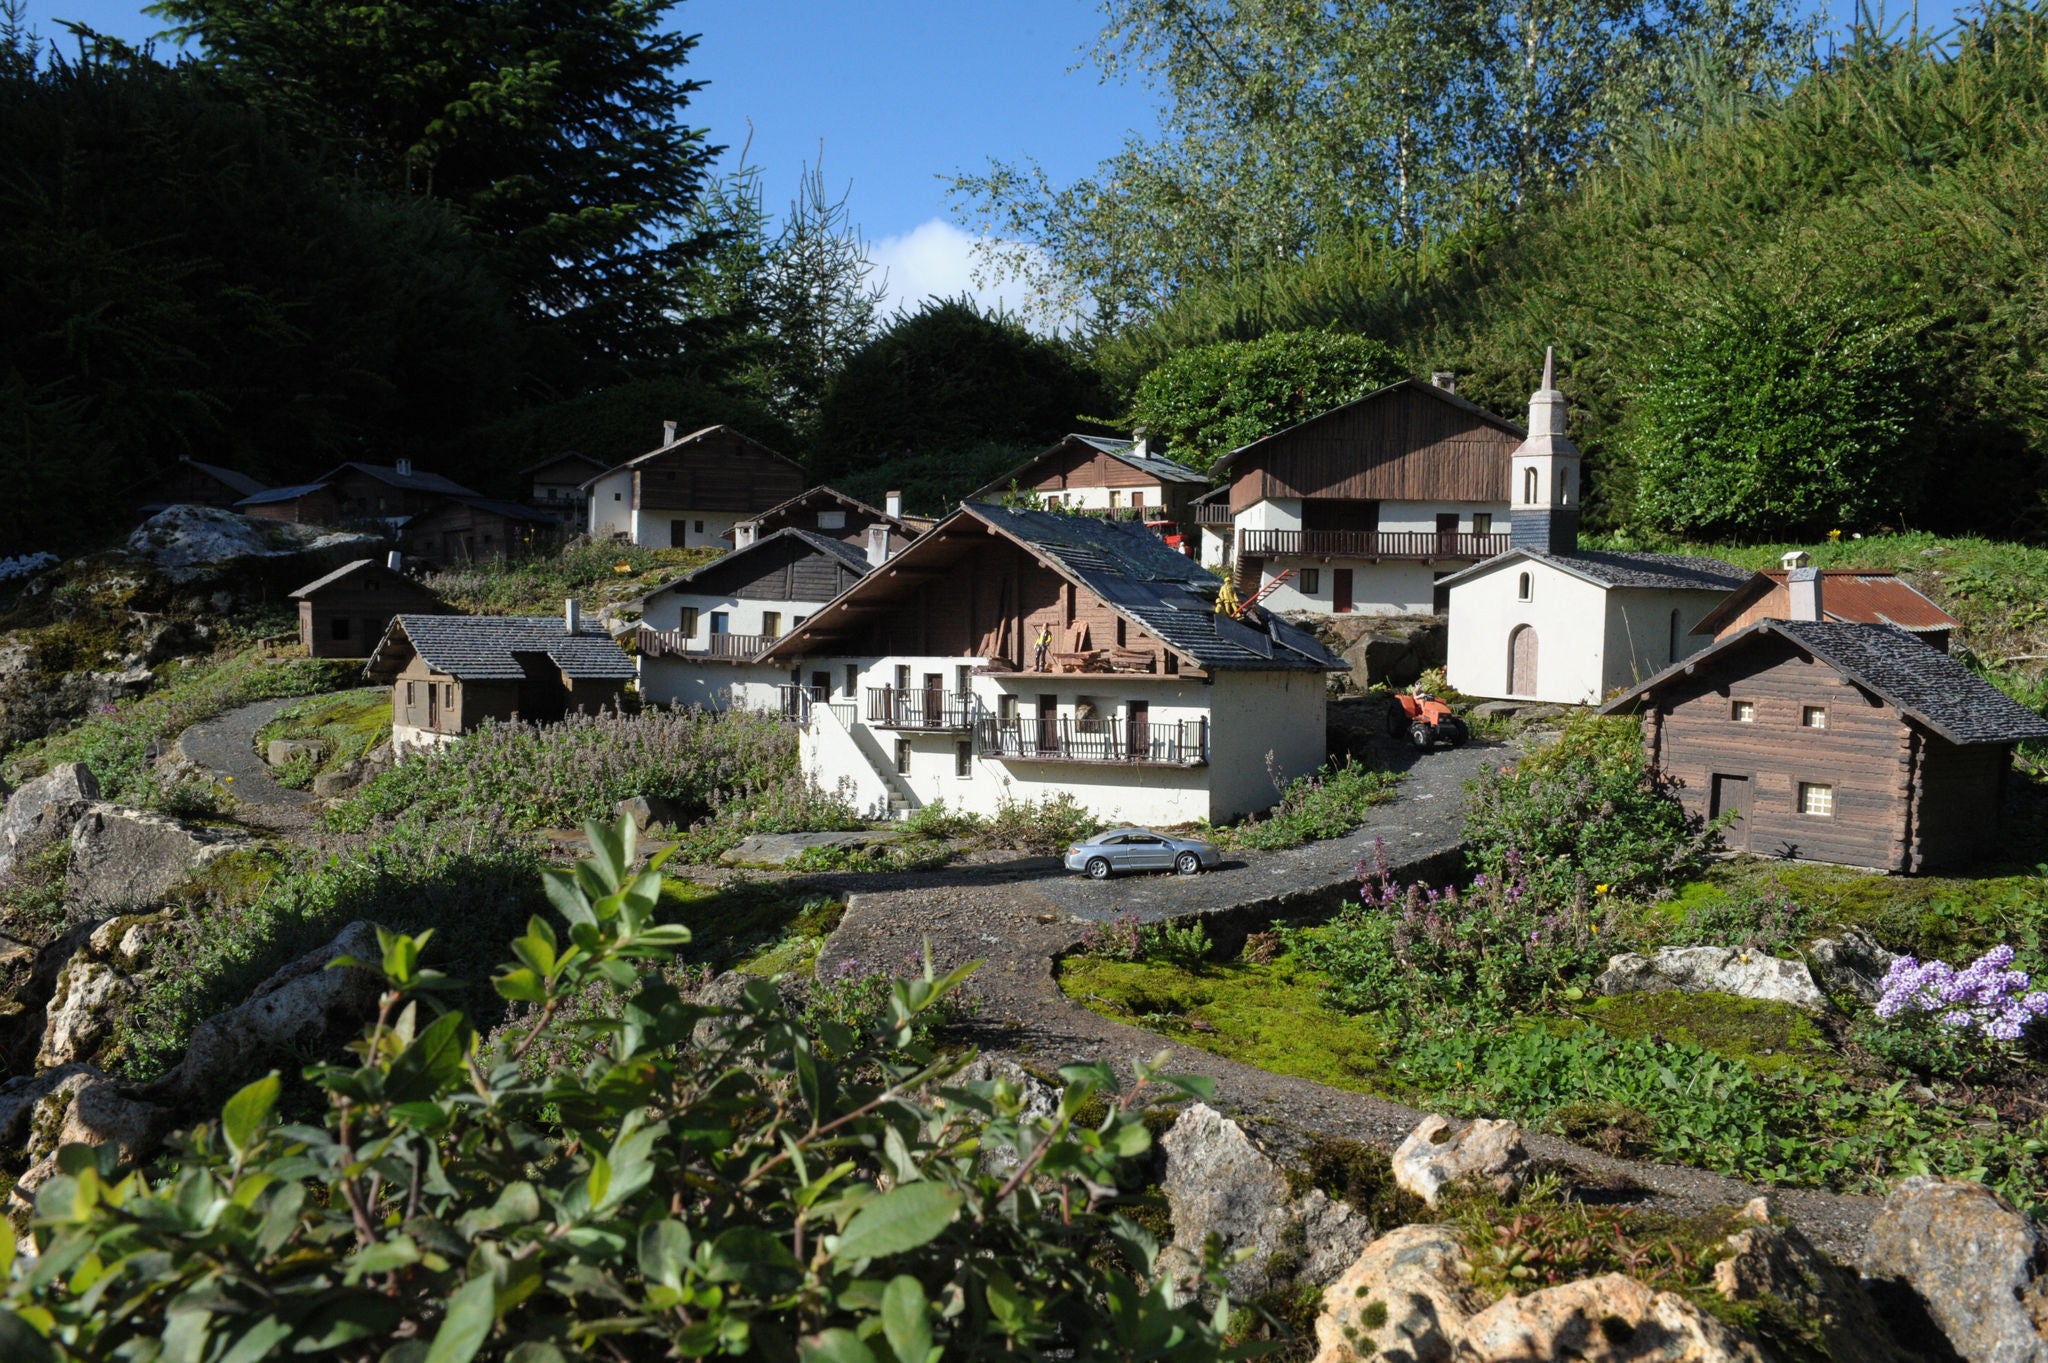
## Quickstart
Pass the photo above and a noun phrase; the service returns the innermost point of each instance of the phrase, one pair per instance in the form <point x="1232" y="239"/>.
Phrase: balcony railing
<point x="1213" y="513"/>
<point x="796" y="701"/>
<point x="1180" y="743"/>
<point x="673" y="643"/>
<point x="917" y="708"/>
<point x="1370" y="544"/>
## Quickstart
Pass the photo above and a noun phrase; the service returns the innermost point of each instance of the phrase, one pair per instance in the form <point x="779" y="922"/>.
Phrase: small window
<point x="1525" y="587"/>
<point x="903" y="757"/>
<point x="852" y="679"/>
<point x="771" y="623"/>
<point x="1814" y="717"/>
<point x="1311" y="581"/>
<point x="721" y="622"/>
<point x="688" y="625"/>
<point x="700" y="527"/>
<point x="1562" y="500"/>
<point x="832" y="520"/>
<point x="448" y="695"/>
<point x="1743" y="711"/>
<point x="1818" y="800"/>
<point x="963" y="759"/>
<point x="1116" y="498"/>
<point x="1006" y="710"/>
<point x="411" y="696"/>
<point x="796" y="621"/>
<point x="337" y="628"/>
<point x="1482" y="522"/>
<point x="618" y="496"/>
<point x="960" y="675"/>
<point x="1529" y="487"/>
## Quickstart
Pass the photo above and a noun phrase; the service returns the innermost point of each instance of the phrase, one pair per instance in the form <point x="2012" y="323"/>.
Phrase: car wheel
<point x="1454" y="731"/>
<point x="1187" y="863"/>
<point x="1423" y="736"/>
<point x="1098" y="868"/>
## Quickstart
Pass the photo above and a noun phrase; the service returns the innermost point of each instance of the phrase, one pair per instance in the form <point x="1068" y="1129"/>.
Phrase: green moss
<point x="1353" y="1172"/>
<point x="350" y="725"/>
<point x="753" y="928"/>
<point x="236" y="878"/>
<point x="1770" y="1036"/>
<point x="1270" y="1015"/>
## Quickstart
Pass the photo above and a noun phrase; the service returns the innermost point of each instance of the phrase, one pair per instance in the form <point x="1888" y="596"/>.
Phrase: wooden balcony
<point x="917" y="708"/>
<point x="735" y="648"/>
<point x="1214" y="513"/>
<point x="1423" y="544"/>
<point x="1182" y="743"/>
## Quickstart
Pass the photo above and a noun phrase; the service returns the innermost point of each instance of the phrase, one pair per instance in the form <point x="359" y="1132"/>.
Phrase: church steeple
<point x="1544" y="473"/>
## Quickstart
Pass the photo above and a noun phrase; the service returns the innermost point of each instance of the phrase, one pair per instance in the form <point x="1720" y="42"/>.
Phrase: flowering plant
<point x="1939" y="1020"/>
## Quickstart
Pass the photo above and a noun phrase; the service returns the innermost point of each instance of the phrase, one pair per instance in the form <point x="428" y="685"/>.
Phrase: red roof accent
<point x="1874" y="598"/>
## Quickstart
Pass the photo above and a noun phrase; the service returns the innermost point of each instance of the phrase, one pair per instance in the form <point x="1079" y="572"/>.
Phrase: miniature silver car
<point x="1140" y="849"/>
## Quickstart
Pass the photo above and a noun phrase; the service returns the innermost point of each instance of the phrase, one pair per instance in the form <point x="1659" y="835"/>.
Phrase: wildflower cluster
<point x="1988" y="998"/>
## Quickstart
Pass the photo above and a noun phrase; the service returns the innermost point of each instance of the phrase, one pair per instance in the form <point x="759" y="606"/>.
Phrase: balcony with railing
<point x="1213" y="513"/>
<point x="673" y="643"/>
<point x="1369" y="544"/>
<point x="1179" y="743"/>
<point x="918" y="708"/>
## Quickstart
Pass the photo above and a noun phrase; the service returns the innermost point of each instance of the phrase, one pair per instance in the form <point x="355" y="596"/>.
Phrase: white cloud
<point x="936" y="259"/>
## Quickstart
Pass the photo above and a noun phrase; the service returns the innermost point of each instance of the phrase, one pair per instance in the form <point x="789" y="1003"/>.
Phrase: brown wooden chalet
<point x="829" y="512"/>
<point x="354" y="494"/>
<point x="556" y="483"/>
<point x="472" y="529"/>
<point x="691" y="490"/>
<point x="450" y="673"/>
<point x="1850" y="595"/>
<point x="1827" y="741"/>
<point x="345" y="613"/>
<point x="1103" y="473"/>
<point x="1410" y="442"/>
<point x="191" y="483"/>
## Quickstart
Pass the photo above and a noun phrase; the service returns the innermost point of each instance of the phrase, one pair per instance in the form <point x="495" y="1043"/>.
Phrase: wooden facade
<point x="1408" y="442"/>
<point x="779" y="569"/>
<point x="716" y="470"/>
<point x="831" y="513"/>
<point x="469" y="531"/>
<point x="1816" y="766"/>
<point x="315" y="504"/>
<point x="344" y="614"/>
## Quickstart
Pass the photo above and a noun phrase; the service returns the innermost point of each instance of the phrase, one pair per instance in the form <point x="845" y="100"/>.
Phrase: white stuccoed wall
<point x="664" y="611"/>
<point x="611" y="505"/>
<point x="1097" y="498"/>
<point x="1638" y="639"/>
<point x="1568" y="613"/>
<point x="655" y="529"/>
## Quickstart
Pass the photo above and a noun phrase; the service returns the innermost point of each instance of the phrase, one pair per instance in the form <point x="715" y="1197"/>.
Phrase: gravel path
<point x="226" y="747"/>
<point x="1018" y="919"/>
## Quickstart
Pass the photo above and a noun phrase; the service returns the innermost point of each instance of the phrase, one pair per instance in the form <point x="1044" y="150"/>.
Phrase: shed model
<point x="475" y="529"/>
<point x="1826" y="741"/>
<point x="345" y="613"/>
<point x="450" y="673"/>
<point x="1103" y="474"/>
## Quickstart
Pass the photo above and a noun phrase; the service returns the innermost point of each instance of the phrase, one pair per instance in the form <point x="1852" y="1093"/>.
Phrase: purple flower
<point x="1986" y="997"/>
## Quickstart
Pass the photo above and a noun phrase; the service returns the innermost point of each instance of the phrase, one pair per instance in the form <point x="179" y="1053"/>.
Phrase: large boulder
<point x="1404" y="1299"/>
<point x="304" y="1009"/>
<point x="1714" y="970"/>
<point x="1950" y="1261"/>
<point x="1441" y="1151"/>
<point x="45" y="808"/>
<point x="1778" y="1263"/>
<point x="1852" y="963"/>
<point x="123" y="858"/>
<point x="187" y="543"/>
<point x="72" y="1105"/>
<point x="96" y="982"/>
<point x="1609" y="1319"/>
<point x="1385" y="650"/>
<point x="1218" y="1183"/>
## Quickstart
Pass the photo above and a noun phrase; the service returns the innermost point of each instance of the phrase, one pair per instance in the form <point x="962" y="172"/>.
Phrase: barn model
<point x="1827" y="741"/>
<point x="345" y="613"/>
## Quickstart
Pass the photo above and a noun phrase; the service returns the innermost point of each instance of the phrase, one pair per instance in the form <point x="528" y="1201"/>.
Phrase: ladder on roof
<point x="1262" y="593"/>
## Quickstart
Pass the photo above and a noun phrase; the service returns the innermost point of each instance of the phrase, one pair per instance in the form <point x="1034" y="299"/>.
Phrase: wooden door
<point x="1730" y="795"/>
<point x="821" y="686"/>
<point x="1340" y="590"/>
<point x="433" y="705"/>
<point x="934" y="699"/>
<point x="1048" y="724"/>
<point x="1139" y="739"/>
<point x="1447" y="533"/>
<point x="1522" y="661"/>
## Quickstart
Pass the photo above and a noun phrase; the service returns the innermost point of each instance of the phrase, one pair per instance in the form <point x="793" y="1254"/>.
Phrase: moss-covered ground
<point x="598" y="574"/>
<point x="350" y="725"/>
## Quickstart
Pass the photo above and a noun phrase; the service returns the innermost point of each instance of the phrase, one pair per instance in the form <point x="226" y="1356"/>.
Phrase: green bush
<point x="1583" y="814"/>
<point x="1767" y="918"/>
<point x="1329" y="804"/>
<point x="1206" y="401"/>
<point x="1052" y="824"/>
<point x="676" y="1194"/>
<point x="1768" y="417"/>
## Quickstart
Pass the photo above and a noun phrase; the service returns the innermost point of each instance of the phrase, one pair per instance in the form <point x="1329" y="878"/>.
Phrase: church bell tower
<point x="1544" y="488"/>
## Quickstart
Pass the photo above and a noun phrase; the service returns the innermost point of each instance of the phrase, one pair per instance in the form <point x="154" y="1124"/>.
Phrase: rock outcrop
<point x="1405" y="1299"/>
<point x="96" y="982"/>
<point x="73" y="1105"/>
<point x="46" y="808"/>
<point x="1955" y="1260"/>
<point x="123" y="858"/>
<point x="187" y="543"/>
<point x="774" y="849"/>
<point x="1441" y="1151"/>
<point x="1852" y="963"/>
<point x="1714" y="970"/>
<point x="303" y="1009"/>
<point x="1772" y="1261"/>
<point x="1219" y="1183"/>
<point x="1608" y="1319"/>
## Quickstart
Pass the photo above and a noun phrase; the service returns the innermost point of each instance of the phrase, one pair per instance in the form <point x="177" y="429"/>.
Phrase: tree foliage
<point x="1208" y="400"/>
<point x="1290" y="127"/>
<point x="949" y="377"/>
<point x="699" y="1181"/>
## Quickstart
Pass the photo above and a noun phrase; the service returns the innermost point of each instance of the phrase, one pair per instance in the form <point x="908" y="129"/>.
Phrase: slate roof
<point x="414" y="481"/>
<point x="233" y="478"/>
<point x="481" y="647"/>
<point x="683" y="440"/>
<point x="836" y="495"/>
<point x="1125" y="451"/>
<point x="853" y="558"/>
<point x="1612" y="568"/>
<point x="1925" y="683"/>
<point x="344" y="570"/>
<point x="281" y="494"/>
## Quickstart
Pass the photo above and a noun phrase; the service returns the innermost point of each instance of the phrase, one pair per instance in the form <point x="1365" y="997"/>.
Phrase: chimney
<point x="395" y="561"/>
<point x="572" y="615"/>
<point x="878" y="544"/>
<point x="1543" y="475"/>
<point x="405" y="468"/>
<point x="1803" y="586"/>
<point x="668" y="432"/>
<point x="1445" y="379"/>
<point x="1141" y="442"/>
<point x="892" y="502"/>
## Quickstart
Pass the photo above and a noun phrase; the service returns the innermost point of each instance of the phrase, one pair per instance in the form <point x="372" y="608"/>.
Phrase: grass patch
<point x="587" y="570"/>
<point x="750" y="927"/>
<point x="350" y="725"/>
<point x="1766" y="1036"/>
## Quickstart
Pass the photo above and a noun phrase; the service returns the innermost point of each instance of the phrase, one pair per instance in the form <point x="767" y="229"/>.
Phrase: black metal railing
<point x="919" y="708"/>
<point x="1176" y="743"/>
<point x="796" y="701"/>
<point x="1370" y="544"/>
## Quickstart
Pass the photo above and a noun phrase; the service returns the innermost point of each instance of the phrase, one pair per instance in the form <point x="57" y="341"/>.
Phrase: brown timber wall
<point x="1402" y="446"/>
<point x="720" y="472"/>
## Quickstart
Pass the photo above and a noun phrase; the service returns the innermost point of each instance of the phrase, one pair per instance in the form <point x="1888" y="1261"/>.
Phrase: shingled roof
<point x="484" y="648"/>
<point x="719" y="567"/>
<point x="1925" y="684"/>
<point x="1613" y="568"/>
<point x="412" y="479"/>
<point x="1121" y="450"/>
<point x="403" y="582"/>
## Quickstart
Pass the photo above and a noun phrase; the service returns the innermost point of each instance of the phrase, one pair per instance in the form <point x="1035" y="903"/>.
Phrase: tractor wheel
<point x="1423" y="736"/>
<point x="1454" y="731"/>
<point x="1397" y="719"/>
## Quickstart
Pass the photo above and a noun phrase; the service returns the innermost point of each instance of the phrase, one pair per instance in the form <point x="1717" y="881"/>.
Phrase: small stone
<point x="331" y="785"/>
<point x="1441" y="1151"/>
<point x="1405" y="1299"/>
<point x="81" y="1013"/>
<point x="283" y="750"/>
<point x="1714" y="970"/>
<point x="1852" y="963"/>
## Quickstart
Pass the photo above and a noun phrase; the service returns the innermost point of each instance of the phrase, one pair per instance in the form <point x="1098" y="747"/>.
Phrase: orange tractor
<point x="1425" y="721"/>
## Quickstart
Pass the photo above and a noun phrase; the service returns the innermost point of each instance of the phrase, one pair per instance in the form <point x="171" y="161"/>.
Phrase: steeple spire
<point x="1544" y="473"/>
<point x="1549" y="361"/>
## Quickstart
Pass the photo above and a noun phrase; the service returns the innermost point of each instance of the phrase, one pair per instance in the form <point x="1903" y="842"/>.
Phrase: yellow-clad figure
<point x="1226" y="599"/>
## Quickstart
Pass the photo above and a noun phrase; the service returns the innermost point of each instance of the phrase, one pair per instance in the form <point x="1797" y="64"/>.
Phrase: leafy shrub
<point x="743" y="1194"/>
<point x="583" y="568"/>
<point x="1586" y="811"/>
<point x="937" y="820"/>
<point x="1184" y="945"/>
<point x="1329" y="804"/>
<point x="909" y="855"/>
<point x="1049" y="825"/>
<point x="296" y="772"/>
<point x="1207" y="400"/>
<point x="1120" y="939"/>
<point x="1934" y="1019"/>
<point x="859" y="1000"/>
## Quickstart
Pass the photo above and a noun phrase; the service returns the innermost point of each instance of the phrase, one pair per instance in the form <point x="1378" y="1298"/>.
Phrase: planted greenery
<point x="682" y="1192"/>
<point x="597" y="572"/>
<point x="348" y="727"/>
<point x="1328" y="804"/>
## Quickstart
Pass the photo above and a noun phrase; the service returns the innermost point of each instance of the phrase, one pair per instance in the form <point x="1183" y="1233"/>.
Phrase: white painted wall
<point x="1274" y="513"/>
<point x="1638" y="640"/>
<point x="1283" y="714"/>
<point x="407" y="739"/>
<point x="711" y="684"/>
<point x="656" y="529"/>
<point x="664" y="611"/>
<point x="1378" y="586"/>
<point x="1216" y="542"/>
<point x="611" y="504"/>
<point x="1422" y="515"/>
<point x="1098" y="498"/>
<point x="1569" y="615"/>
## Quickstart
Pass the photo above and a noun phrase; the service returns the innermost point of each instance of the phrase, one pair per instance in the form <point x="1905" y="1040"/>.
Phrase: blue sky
<point x="897" y="93"/>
